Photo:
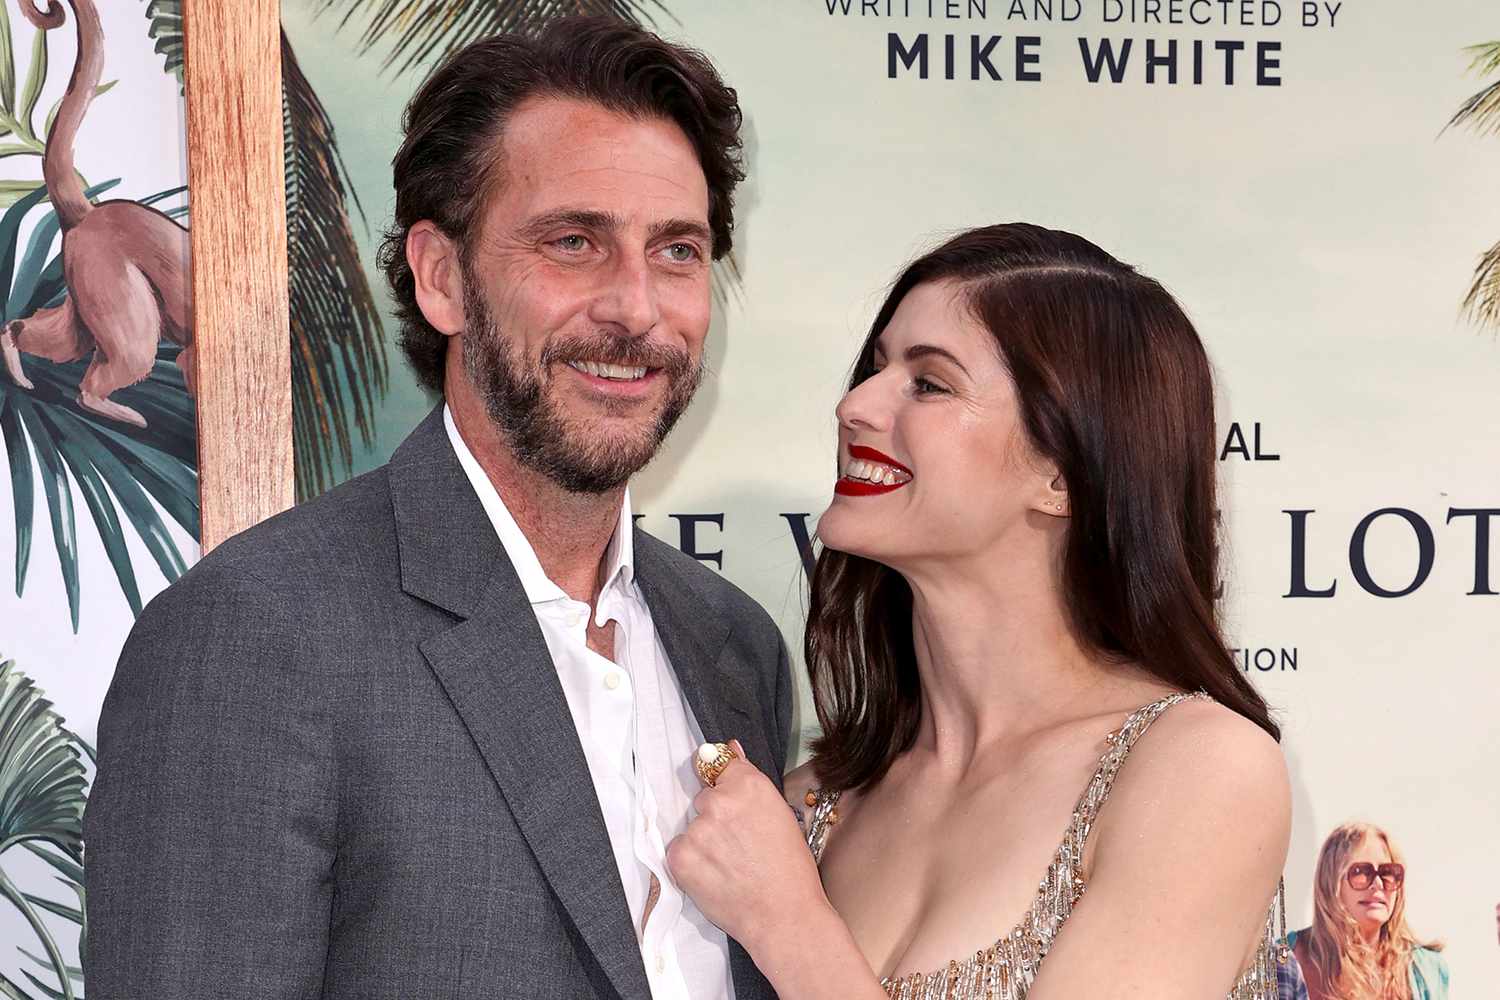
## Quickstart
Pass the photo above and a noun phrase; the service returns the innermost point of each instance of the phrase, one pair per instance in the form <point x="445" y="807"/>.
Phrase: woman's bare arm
<point x="1187" y="855"/>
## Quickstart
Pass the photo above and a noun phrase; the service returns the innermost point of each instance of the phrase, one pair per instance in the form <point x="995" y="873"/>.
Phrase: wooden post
<point x="236" y="185"/>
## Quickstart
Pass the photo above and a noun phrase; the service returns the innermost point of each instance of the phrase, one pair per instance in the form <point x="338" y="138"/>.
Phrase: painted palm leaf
<point x="166" y="28"/>
<point x="42" y="796"/>
<point x="430" y="29"/>
<point x="1481" y="112"/>
<point x="118" y="469"/>
<point x="338" y="338"/>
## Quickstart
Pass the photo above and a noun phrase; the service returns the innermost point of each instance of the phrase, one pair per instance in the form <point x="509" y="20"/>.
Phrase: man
<point x="428" y="735"/>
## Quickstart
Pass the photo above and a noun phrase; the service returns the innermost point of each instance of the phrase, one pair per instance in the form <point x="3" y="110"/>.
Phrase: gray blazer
<point x="336" y="761"/>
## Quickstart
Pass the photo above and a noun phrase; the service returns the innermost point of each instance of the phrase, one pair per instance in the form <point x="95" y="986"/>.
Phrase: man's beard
<point x="538" y="430"/>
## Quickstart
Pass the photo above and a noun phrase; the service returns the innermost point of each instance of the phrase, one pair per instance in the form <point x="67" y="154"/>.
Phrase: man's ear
<point x="434" y="261"/>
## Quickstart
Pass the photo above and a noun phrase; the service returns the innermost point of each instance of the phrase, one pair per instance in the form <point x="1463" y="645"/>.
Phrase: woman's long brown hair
<point x="1115" y="388"/>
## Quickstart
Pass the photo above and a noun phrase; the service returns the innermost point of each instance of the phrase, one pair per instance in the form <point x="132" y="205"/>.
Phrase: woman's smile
<point x="867" y="472"/>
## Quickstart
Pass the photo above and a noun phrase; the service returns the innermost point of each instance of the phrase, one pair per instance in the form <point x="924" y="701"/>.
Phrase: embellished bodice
<point x="1006" y="969"/>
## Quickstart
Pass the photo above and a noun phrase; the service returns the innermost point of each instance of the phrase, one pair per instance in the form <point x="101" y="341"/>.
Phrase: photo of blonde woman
<point x="1359" y="946"/>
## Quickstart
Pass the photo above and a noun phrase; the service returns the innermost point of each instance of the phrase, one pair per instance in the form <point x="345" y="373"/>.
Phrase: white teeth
<point x="602" y="370"/>
<point x="881" y="475"/>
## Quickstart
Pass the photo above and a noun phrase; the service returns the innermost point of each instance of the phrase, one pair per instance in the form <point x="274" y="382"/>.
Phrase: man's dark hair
<point x="448" y="162"/>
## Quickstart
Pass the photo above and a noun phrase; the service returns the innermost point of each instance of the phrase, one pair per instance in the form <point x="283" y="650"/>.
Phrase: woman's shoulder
<point x="1218" y="774"/>
<point x="1197" y="737"/>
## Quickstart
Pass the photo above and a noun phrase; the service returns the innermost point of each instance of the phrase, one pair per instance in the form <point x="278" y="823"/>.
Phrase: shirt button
<point x="611" y="680"/>
<point x="576" y="618"/>
<point x="661" y="965"/>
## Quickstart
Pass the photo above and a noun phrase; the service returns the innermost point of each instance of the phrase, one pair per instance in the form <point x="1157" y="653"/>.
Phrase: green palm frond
<point x="42" y="796"/>
<point x="119" y="469"/>
<point x="338" y="337"/>
<point x="1481" y="112"/>
<point x="166" y="29"/>
<point x="1483" y="301"/>
<point x="431" y="29"/>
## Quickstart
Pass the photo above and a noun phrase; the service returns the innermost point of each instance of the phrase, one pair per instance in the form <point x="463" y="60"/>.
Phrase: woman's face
<point x="1370" y="907"/>
<point x="933" y="461"/>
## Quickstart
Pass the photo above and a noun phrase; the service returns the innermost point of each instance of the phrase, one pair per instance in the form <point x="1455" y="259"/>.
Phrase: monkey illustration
<point x="125" y="264"/>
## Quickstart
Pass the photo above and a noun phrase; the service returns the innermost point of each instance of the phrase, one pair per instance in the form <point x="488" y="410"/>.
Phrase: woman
<point x="1017" y="582"/>
<point x="1359" y="947"/>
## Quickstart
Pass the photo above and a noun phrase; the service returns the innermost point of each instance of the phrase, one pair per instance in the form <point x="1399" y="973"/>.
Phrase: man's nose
<point x="628" y="299"/>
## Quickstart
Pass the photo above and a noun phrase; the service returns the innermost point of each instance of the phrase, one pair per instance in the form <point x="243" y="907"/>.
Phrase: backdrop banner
<point x="1306" y="177"/>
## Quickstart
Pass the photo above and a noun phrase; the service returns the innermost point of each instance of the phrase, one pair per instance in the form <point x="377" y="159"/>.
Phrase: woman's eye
<point x="926" y="388"/>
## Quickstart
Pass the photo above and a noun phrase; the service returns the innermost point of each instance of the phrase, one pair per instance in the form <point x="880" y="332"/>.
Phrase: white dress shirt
<point x="638" y="735"/>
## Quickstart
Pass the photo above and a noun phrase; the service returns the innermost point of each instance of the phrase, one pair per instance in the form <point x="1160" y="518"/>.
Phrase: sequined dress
<point x="1006" y="969"/>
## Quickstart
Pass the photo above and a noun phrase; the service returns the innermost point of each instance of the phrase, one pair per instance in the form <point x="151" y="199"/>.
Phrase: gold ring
<point x="711" y="760"/>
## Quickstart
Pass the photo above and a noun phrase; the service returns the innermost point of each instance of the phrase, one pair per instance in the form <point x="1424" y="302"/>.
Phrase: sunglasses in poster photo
<point x="1360" y="876"/>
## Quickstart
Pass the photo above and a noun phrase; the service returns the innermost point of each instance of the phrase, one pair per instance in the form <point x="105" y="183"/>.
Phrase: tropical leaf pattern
<point x="166" y="28"/>
<point x="338" y="338"/>
<point x="119" y="469"/>
<point x="1481" y="112"/>
<point x="42" y="796"/>
<point x="17" y="111"/>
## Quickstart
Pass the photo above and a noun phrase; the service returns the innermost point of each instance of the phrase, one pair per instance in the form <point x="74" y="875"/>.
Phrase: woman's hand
<point x="743" y="861"/>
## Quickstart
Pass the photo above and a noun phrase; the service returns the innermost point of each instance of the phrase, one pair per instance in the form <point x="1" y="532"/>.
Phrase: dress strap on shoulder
<point x="821" y="815"/>
<point x="1120" y="742"/>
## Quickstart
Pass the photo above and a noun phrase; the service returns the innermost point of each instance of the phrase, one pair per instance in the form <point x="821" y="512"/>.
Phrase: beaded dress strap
<point x="820" y="820"/>
<point x="1120" y="743"/>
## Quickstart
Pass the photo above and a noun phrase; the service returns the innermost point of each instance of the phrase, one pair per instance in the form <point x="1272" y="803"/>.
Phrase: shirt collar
<point x="619" y="558"/>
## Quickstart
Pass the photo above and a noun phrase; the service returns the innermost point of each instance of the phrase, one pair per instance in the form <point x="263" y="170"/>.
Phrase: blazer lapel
<point x="496" y="670"/>
<point x="693" y="632"/>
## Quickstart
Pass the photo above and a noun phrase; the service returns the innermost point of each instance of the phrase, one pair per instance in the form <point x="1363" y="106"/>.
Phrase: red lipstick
<point x="848" y="487"/>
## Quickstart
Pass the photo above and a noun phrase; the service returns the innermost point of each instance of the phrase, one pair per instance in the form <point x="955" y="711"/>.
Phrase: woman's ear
<point x="1053" y="499"/>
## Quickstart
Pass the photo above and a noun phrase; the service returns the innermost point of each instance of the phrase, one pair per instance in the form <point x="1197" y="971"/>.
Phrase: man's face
<point x="586" y="290"/>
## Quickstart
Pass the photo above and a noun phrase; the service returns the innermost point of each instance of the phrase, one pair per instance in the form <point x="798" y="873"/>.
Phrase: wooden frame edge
<point x="236" y="183"/>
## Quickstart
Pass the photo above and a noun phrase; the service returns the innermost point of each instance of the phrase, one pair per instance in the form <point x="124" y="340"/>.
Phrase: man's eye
<point x="682" y="253"/>
<point x="572" y="243"/>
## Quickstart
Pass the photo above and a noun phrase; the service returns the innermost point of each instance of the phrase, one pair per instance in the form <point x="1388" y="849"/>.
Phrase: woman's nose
<point x="865" y="406"/>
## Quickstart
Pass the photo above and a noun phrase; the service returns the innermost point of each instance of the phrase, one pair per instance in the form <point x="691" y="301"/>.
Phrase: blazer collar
<point x="496" y="670"/>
